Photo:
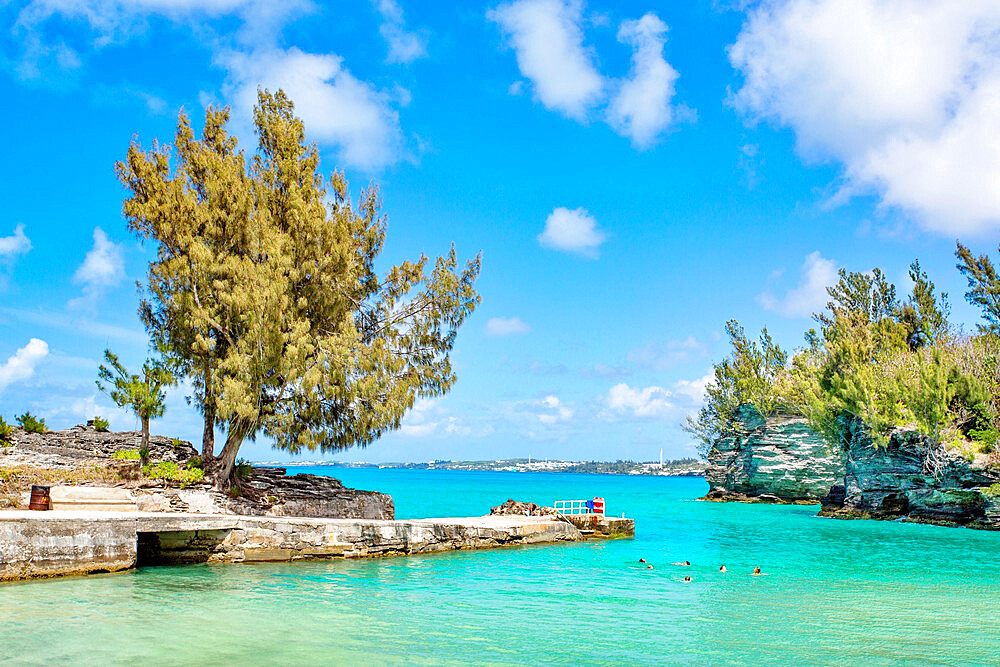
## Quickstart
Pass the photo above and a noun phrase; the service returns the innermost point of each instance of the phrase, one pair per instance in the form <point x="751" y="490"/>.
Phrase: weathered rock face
<point x="63" y="448"/>
<point x="523" y="509"/>
<point x="777" y="460"/>
<point x="306" y="495"/>
<point x="911" y="478"/>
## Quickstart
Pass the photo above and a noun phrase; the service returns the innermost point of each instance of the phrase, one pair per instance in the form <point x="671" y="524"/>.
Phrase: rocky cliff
<point x="912" y="478"/>
<point x="778" y="460"/>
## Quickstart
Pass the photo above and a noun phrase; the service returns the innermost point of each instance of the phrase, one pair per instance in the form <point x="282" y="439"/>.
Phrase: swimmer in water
<point x="722" y="568"/>
<point x="649" y="567"/>
<point x="687" y="579"/>
<point x="756" y="571"/>
<point x="642" y="560"/>
<point x="685" y="563"/>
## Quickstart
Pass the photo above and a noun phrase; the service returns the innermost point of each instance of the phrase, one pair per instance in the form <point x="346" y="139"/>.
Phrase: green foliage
<point x="31" y="424"/>
<point x="747" y="376"/>
<point x="194" y="462"/>
<point x="169" y="470"/>
<point x="992" y="491"/>
<point x="101" y="425"/>
<point x="126" y="454"/>
<point x="984" y="286"/>
<point x="243" y="470"/>
<point x="175" y="443"/>
<point x="6" y="432"/>
<point x="142" y="393"/>
<point x="265" y="289"/>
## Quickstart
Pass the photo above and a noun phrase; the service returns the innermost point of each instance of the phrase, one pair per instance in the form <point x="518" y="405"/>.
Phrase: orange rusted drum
<point x="39" y="498"/>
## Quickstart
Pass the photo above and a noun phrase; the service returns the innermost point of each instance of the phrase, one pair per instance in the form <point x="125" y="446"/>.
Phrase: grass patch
<point x="170" y="471"/>
<point x="126" y="454"/>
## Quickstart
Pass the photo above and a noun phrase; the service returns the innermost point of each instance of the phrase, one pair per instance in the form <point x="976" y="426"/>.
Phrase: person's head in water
<point x="722" y="568"/>
<point x="649" y="567"/>
<point x="756" y="570"/>
<point x="687" y="562"/>
<point x="642" y="560"/>
<point x="686" y="579"/>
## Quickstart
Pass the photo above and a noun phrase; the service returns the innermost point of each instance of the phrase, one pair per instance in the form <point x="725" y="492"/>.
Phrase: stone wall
<point x="46" y="544"/>
<point x="911" y="478"/>
<point x="776" y="460"/>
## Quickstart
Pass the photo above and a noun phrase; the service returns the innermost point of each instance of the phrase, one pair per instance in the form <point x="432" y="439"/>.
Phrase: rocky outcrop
<point x="66" y="455"/>
<point x="513" y="507"/>
<point x="912" y="478"/>
<point x="777" y="460"/>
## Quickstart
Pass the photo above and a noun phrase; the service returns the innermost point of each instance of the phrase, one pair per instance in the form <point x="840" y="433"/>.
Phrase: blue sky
<point x="635" y="174"/>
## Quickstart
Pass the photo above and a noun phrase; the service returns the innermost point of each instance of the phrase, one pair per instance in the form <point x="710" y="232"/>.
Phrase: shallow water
<point x="836" y="591"/>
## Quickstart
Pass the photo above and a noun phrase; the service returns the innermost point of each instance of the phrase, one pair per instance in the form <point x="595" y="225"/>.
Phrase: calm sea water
<point x="837" y="592"/>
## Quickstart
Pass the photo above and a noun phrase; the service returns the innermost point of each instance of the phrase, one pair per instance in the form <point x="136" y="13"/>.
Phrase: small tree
<point x="143" y="394"/>
<point x="984" y="286"/>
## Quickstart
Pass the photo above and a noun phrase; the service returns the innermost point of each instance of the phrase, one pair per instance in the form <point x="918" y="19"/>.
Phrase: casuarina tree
<point x="265" y="289"/>
<point x="141" y="393"/>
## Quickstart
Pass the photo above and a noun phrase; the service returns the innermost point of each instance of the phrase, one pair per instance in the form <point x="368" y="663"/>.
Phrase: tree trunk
<point x="144" y="442"/>
<point x="227" y="458"/>
<point x="208" y="436"/>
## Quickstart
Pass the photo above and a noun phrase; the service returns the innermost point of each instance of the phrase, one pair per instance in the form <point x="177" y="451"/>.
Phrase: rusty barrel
<point x="39" y="498"/>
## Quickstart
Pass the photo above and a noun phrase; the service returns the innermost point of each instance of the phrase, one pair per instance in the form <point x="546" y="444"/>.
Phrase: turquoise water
<point x="837" y="592"/>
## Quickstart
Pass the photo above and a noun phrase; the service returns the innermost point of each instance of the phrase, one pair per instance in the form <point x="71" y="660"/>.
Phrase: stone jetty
<point x="66" y="542"/>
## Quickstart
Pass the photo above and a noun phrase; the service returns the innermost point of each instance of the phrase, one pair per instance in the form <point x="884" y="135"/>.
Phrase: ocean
<point x="835" y="592"/>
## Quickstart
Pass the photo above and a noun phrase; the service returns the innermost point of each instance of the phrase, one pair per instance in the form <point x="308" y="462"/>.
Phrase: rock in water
<point x="522" y="509"/>
<point x="778" y="460"/>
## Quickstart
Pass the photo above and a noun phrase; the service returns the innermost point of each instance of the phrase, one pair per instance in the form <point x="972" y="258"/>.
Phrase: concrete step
<point x="95" y="498"/>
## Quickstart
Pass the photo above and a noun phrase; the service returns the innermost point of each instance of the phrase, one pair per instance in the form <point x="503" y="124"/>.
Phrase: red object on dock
<point x="599" y="506"/>
<point x="39" y="498"/>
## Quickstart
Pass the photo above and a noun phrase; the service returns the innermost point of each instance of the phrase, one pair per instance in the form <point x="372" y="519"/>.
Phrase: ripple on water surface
<point x="836" y="591"/>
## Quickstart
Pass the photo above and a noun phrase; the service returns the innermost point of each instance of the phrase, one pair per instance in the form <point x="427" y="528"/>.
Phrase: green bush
<point x="169" y="470"/>
<point x="127" y="454"/>
<point x="6" y="431"/>
<point x="195" y="462"/>
<point x="101" y="425"/>
<point x="175" y="443"/>
<point x="31" y="424"/>
<point x="992" y="491"/>
<point x="243" y="470"/>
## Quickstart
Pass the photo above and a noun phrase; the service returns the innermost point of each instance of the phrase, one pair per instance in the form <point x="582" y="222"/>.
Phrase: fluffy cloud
<point x="662" y="356"/>
<point x="337" y="108"/>
<point x="810" y="295"/>
<point x="641" y="110"/>
<point x="553" y="411"/>
<point x="905" y="94"/>
<point x="506" y="326"/>
<point x="21" y="366"/>
<point x="102" y="267"/>
<point x="16" y="244"/>
<point x="694" y="389"/>
<point x="572" y="230"/>
<point x="548" y="41"/>
<point x="404" y="46"/>
<point x="623" y="400"/>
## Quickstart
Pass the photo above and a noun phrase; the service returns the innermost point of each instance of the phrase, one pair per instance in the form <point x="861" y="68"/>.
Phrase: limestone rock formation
<point x="513" y="507"/>
<point x="912" y="478"/>
<point x="778" y="460"/>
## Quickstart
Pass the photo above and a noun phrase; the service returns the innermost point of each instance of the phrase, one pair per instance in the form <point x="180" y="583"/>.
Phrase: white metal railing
<point x="573" y="507"/>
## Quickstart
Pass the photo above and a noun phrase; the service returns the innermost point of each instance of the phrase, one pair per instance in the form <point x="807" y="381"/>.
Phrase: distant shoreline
<point x="676" y="468"/>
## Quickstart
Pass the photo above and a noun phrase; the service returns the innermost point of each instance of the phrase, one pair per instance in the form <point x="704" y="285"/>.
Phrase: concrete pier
<point x="58" y="543"/>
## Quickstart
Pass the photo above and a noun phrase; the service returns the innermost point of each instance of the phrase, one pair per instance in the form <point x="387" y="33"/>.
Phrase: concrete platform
<point x="66" y="542"/>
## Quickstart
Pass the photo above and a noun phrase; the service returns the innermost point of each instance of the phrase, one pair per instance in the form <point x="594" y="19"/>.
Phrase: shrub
<point x="175" y="443"/>
<point x="101" y="425"/>
<point x="195" y="462"/>
<point x="169" y="470"/>
<point x="6" y="431"/>
<point x="243" y="470"/>
<point x="992" y="491"/>
<point x="31" y="424"/>
<point x="127" y="454"/>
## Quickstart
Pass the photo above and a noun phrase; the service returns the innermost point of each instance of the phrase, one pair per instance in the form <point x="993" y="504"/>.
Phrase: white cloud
<point x="16" y="244"/>
<point x="662" y="356"/>
<point x="904" y="93"/>
<point x="624" y="400"/>
<point x="641" y="109"/>
<point x="102" y="267"/>
<point x="572" y="230"/>
<point x="336" y="108"/>
<point x="22" y="365"/>
<point x="506" y="326"/>
<point x="554" y="411"/>
<point x="810" y="295"/>
<point x="404" y="46"/>
<point x="548" y="41"/>
<point x="694" y="389"/>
